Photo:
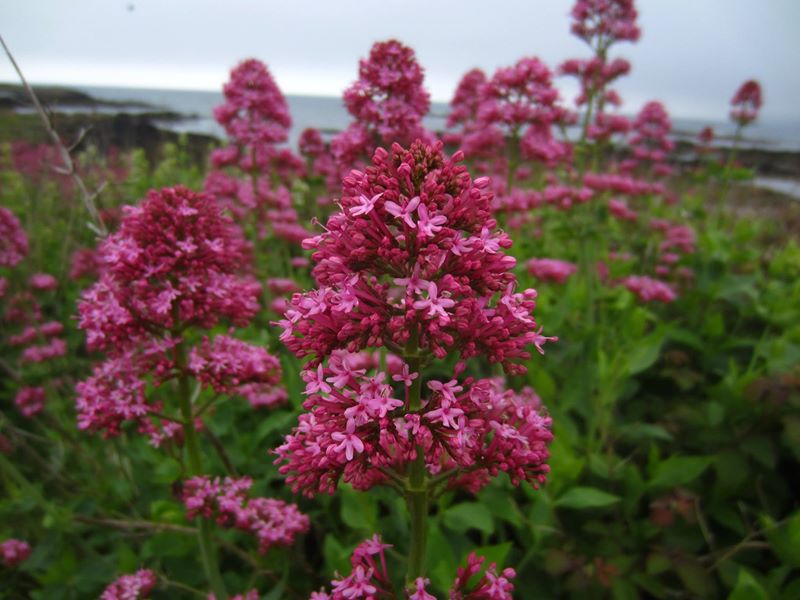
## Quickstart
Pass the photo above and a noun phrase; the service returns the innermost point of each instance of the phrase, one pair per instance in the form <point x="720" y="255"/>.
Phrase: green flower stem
<point x="416" y="491"/>
<point x="208" y="551"/>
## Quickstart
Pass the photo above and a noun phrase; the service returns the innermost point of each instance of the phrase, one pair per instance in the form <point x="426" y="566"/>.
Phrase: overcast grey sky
<point x="693" y="53"/>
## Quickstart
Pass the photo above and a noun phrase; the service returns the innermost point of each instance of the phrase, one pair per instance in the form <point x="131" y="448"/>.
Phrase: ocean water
<point x="322" y="112"/>
<point x="328" y="113"/>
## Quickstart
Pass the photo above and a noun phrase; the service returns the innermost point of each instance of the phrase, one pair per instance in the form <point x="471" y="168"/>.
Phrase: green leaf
<point x="622" y="589"/>
<point x="467" y="515"/>
<point x="686" y="337"/>
<point x="696" y="580"/>
<point x="276" y="593"/>
<point x="543" y="383"/>
<point x="784" y="540"/>
<point x="277" y="422"/>
<point x="760" y="448"/>
<point x="747" y="588"/>
<point x="440" y="560"/>
<point x="336" y="555"/>
<point x="645" y="353"/>
<point x="637" y="432"/>
<point x="586" y="497"/>
<point x="678" y="470"/>
<point x="167" y="471"/>
<point x="502" y="505"/>
<point x="657" y="563"/>
<point x="167" y="511"/>
<point x="359" y="510"/>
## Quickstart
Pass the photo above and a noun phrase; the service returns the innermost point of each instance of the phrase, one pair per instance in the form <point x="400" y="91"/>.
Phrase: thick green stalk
<point x="416" y="492"/>
<point x="208" y="551"/>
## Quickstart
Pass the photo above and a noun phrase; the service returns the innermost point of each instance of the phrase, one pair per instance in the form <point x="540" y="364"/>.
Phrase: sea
<point x="329" y="114"/>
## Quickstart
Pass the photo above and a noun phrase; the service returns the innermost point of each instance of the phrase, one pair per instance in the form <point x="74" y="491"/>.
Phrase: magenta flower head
<point x="746" y="103"/>
<point x="413" y="262"/>
<point x="176" y="261"/>
<point x="520" y="95"/>
<point x="600" y="23"/>
<point x="414" y="247"/>
<point x="467" y="99"/>
<point x="369" y="578"/>
<point x="255" y="111"/>
<point x="388" y="102"/>
<point x="311" y="143"/>
<point x="551" y="269"/>
<point x="648" y="289"/>
<point x="176" y="264"/>
<point x="650" y="143"/>
<point x="273" y="522"/>
<point x="13" y="241"/>
<point x="13" y="552"/>
<point x="136" y="586"/>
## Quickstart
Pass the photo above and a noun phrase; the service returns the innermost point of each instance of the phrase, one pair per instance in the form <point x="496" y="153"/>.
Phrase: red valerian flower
<point x="414" y="246"/>
<point x="136" y="586"/>
<point x="746" y="103"/>
<point x="272" y="521"/>
<point x="369" y="578"/>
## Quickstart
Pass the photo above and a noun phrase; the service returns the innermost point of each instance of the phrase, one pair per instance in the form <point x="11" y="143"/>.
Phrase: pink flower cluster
<point x="388" y="102"/>
<point x="26" y="332"/>
<point x="136" y="586"/>
<point x="519" y="102"/>
<point x="255" y="111"/>
<point x="413" y="250"/>
<point x="49" y="345"/>
<point x="746" y="103"/>
<point x="601" y="23"/>
<point x="234" y="367"/>
<point x="551" y="269"/>
<point x="13" y="552"/>
<point x="389" y="99"/>
<point x="520" y="95"/>
<point x="176" y="263"/>
<point x="256" y="117"/>
<point x="413" y="247"/>
<point x="311" y="143"/>
<point x="467" y="99"/>
<point x="650" y="143"/>
<point x="115" y="392"/>
<point x="649" y="289"/>
<point x="85" y="262"/>
<point x="619" y="209"/>
<point x="30" y="400"/>
<point x="594" y="76"/>
<point x="622" y="184"/>
<point x="13" y="241"/>
<point x="273" y="522"/>
<point x="369" y="579"/>
<point x="357" y="430"/>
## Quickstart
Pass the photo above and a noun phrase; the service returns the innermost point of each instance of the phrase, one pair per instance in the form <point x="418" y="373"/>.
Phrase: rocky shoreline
<point x="116" y="125"/>
<point x="131" y="124"/>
